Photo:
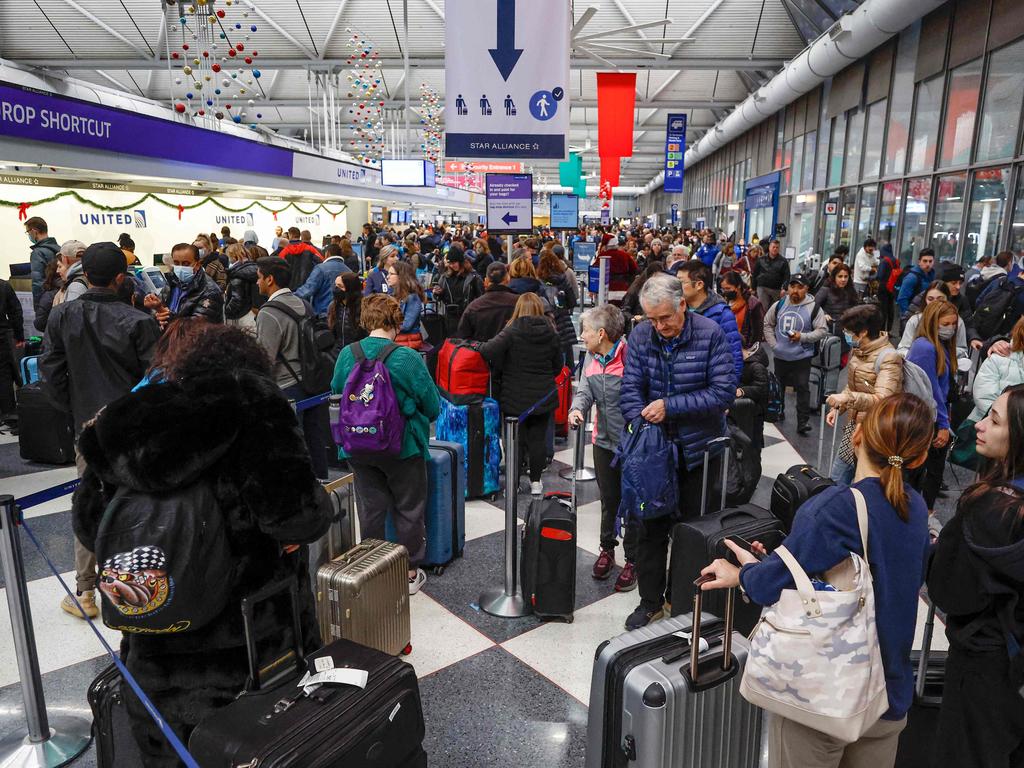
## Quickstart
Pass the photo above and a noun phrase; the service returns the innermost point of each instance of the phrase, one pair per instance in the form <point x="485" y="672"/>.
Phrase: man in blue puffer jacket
<point x="679" y="372"/>
<point x="700" y="298"/>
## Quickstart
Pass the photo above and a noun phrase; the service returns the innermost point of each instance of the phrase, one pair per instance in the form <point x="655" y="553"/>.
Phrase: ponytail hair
<point x="897" y="433"/>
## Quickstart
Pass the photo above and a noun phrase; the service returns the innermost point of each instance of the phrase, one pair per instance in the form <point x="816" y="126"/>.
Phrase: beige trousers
<point x="85" y="561"/>
<point x="792" y="745"/>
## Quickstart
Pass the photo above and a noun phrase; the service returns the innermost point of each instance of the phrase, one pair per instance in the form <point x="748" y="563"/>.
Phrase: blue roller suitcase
<point x="446" y="506"/>
<point x="477" y="427"/>
<point x="29" y="369"/>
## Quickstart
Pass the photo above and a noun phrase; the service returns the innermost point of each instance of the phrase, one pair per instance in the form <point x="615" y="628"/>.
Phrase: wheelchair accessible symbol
<point x="544" y="104"/>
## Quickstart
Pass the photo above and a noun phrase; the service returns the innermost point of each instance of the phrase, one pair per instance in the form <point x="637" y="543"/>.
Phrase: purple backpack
<point x="370" y="421"/>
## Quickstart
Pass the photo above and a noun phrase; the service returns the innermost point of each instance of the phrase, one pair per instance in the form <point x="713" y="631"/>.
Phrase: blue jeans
<point x="842" y="473"/>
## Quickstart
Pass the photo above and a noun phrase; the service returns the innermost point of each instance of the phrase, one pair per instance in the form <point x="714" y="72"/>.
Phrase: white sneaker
<point x="537" y="488"/>
<point x="416" y="582"/>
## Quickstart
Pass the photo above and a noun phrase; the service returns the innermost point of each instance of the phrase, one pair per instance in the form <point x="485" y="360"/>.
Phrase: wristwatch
<point x="743" y="592"/>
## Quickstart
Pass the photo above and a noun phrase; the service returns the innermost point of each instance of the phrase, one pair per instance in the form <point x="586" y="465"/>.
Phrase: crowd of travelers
<point x="196" y="382"/>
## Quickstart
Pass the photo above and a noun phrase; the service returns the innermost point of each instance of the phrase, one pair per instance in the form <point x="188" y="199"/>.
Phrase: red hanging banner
<point x="610" y="168"/>
<point x="616" y="101"/>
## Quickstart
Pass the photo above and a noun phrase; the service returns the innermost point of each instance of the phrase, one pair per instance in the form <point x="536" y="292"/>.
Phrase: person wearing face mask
<point x="976" y="579"/>
<point x="44" y="250"/>
<point x="746" y="307"/>
<point x="869" y="381"/>
<point x="189" y="292"/>
<point x="211" y="263"/>
<point x="701" y="299"/>
<point x="934" y="351"/>
<point x="937" y="291"/>
<point x="343" y="314"/>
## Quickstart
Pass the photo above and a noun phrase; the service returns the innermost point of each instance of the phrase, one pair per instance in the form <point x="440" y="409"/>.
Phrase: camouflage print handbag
<point x="814" y="656"/>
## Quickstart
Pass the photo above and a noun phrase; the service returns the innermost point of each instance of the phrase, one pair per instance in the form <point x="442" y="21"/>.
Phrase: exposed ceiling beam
<point x="576" y="103"/>
<point x="416" y="62"/>
<point x="280" y="30"/>
<point x="333" y="28"/>
<point x="107" y="28"/>
<point x="433" y="6"/>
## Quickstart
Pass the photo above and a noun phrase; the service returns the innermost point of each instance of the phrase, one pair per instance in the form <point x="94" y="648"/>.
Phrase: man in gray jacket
<point x="278" y="332"/>
<point x="793" y="327"/>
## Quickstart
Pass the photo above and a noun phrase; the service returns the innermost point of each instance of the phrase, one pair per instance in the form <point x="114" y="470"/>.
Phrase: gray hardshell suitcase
<point x="363" y="596"/>
<point x="341" y="536"/>
<point x="647" y="711"/>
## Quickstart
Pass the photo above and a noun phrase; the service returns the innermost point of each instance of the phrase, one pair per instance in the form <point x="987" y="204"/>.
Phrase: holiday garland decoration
<point x="430" y="119"/>
<point x="24" y="206"/>
<point x="218" y="72"/>
<point x="366" y="113"/>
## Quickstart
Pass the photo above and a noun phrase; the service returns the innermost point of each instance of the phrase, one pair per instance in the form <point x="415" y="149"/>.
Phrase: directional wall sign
<point x="507" y="79"/>
<point x="675" y="146"/>
<point x="509" y="202"/>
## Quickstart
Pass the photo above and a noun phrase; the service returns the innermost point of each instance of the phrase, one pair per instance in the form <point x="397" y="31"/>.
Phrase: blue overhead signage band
<point x="675" y="146"/>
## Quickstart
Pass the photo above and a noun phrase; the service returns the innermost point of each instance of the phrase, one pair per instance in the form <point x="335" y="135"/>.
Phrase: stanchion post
<point x="582" y="473"/>
<point x="507" y="601"/>
<point x="49" y="742"/>
<point x="602" y="280"/>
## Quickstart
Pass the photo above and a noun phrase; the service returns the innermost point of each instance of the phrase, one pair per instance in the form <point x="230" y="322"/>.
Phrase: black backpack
<point x="997" y="308"/>
<point x="164" y="560"/>
<point x="316" y="348"/>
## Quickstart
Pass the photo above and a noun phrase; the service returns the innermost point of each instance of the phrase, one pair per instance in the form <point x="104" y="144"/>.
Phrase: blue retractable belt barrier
<point x="49" y="494"/>
<point x="311" y="402"/>
<point x="529" y="411"/>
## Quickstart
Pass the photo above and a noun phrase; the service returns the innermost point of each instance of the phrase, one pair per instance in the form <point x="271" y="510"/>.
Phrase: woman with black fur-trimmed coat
<point x="212" y="412"/>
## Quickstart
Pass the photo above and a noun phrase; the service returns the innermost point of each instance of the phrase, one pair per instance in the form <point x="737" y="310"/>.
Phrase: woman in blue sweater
<point x="895" y="434"/>
<point x="934" y="351"/>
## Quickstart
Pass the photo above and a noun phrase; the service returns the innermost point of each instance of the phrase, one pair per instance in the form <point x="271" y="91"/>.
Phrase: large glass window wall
<point x="1017" y="220"/>
<point x="914" y="235"/>
<point x="854" y="145"/>
<point x="1004" y="92"/>
<point x="949" y="210"/>
<point x="873" y="136"/>
<point x="989" y="195"/>
<point x="902" y="100"/>
<point x="866" y="214"/>
<point x="847" y="211"/>
<point x="889" y="213"/>
<point x="835" y="166"/>
<point x="961" y="112"/>
<point x="810" y="142"/>
<point x="926" y="124"/>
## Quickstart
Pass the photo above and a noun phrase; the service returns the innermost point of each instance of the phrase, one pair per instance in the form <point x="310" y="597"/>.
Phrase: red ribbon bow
<point x="275" y="215"/>
<point x="23" y="210"/>
<point x="181" y="210"/>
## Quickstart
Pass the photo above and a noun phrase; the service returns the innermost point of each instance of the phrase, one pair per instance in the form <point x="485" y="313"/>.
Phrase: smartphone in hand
<point x="744" y="544"/>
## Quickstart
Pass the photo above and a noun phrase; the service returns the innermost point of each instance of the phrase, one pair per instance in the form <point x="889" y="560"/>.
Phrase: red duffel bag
<point x="463" y="375"/>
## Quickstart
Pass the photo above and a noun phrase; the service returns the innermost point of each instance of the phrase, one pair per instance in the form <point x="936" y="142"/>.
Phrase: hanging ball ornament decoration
<point x="179" y="108"/>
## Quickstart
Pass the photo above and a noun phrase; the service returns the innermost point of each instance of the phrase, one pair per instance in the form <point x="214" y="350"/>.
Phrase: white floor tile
<point x="6" y="438"/>
<point x="22" y="485"/>
<point x="770" y="430"/>
<point x="62" y="639"/>
<point x="588" y="530"/>
<point x="564" y="653"/>
<point x="482" y="518"/>
<point x="778" y="458"/>
<point x="439" y="637"/>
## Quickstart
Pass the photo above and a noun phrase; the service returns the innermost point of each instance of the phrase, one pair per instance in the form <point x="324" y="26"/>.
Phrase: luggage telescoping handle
<point x="730" y="610"/>
<point x="821" y="436"/>
<point x="249" y="604"/>
<point x="926" y="651"/>
<point x="724" y="441"/>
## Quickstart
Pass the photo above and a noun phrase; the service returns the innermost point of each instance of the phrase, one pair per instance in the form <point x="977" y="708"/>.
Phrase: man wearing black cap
<point x="458" y="287"/>
<point x="82" y="371"/>
<point x="792" y="327"/>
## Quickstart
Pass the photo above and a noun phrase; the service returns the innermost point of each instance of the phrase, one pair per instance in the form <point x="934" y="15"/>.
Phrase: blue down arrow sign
<point x="506" y="55"/>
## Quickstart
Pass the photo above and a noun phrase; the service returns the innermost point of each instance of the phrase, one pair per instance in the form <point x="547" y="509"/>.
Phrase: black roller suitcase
<point x="281" y="726"/>
<point x="115" y="746"/>
<point x="696" y="543"/>
<point x="45" y="434"/>
<point x="548" y="570"/>
<point x="792" y="488"/>
<point x="917" y="741"/>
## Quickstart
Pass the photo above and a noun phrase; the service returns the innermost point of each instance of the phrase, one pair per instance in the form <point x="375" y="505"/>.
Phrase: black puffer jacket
<point x="162" y="437"/>
<point x="771" y="273"/>
<point x="242" y="294"/>
<point x="202" y="298"/>
<point x="526" y="356"/>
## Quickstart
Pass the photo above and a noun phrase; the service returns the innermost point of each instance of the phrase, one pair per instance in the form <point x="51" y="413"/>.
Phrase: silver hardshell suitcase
<point x="646" y="710"/>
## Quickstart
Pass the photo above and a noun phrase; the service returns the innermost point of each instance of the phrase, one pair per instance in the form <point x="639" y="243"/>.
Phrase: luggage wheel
<point x="407" y="650"/>
<point x="438" y="570"/>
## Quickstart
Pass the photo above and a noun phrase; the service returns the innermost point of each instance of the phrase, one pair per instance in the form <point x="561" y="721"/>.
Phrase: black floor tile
<point x="493" y="710"/>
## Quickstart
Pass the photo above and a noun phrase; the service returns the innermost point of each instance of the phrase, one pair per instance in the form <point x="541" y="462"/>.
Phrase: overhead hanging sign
<point x="675" y="146"/>
<point x="506" y="79"/>
<point x="458" y="166"/>
<point x="509" y="202"/>
<point x="565" y="211"/>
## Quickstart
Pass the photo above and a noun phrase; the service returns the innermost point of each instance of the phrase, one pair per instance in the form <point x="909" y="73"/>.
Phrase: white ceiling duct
<point x="851" y="38"/>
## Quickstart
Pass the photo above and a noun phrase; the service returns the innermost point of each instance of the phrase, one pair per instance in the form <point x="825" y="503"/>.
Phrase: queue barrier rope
<point x="55" y="492"/>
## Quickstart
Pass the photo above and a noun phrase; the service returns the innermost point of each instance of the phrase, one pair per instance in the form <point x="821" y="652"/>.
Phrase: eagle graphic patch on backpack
<point x="370" y="421"/>
<point x="165" y="565"/>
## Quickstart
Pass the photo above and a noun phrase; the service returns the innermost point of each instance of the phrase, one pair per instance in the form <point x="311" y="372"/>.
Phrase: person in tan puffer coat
<point x="868" y="380"/>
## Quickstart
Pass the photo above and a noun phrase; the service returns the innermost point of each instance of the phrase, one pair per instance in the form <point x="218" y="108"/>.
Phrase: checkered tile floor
<point x="496" y="692"/>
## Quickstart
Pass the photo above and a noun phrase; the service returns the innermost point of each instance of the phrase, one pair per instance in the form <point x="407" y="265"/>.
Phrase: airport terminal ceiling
<point x="701" y="57"/>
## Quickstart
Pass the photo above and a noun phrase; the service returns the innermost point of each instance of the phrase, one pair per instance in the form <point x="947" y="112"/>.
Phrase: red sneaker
<point x="627" y="578"/>
<point x="604" y="564"/>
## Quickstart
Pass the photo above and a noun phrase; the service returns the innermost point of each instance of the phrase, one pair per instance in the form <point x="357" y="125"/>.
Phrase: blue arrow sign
<point x="506" y="55"/>
<point x="508" y="218"/>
